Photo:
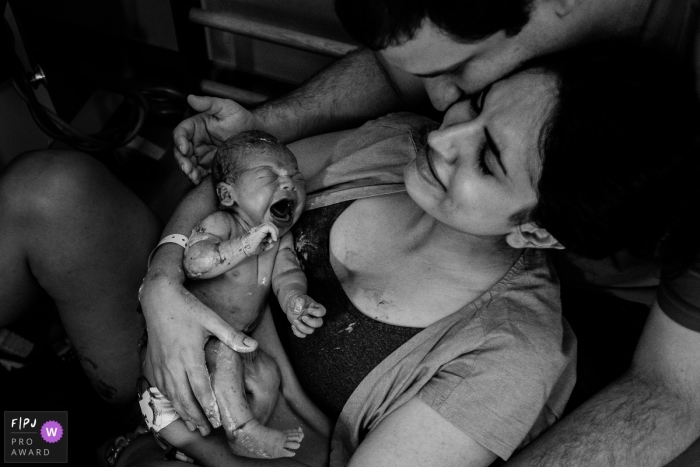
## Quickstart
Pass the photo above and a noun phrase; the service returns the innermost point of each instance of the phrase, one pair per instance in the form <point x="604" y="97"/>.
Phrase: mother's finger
<point x="200" y="383"/>
<point x="186" y="405"/>
<point x="228" y="335"/>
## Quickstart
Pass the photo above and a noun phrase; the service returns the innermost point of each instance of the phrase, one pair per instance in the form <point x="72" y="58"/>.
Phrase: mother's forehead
<point x="527" y="80"/>
<point x="522" y="104"/>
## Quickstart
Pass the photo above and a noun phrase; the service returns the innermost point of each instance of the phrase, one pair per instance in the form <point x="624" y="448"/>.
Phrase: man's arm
<point x="647" y="417"/>
<point x="357" y="88"/>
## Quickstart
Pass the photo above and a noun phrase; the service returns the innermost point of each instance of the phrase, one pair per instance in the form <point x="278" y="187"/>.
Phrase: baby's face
<point x="271" y="189"/>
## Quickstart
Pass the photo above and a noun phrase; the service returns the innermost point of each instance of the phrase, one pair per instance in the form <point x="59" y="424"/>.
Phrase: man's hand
<point x="197" y="138"/>
<point x="179" y="327"/>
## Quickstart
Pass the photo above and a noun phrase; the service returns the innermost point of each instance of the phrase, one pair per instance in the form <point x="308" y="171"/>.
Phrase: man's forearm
<point x="346" y="94"/>
<point x="632" y="422"/>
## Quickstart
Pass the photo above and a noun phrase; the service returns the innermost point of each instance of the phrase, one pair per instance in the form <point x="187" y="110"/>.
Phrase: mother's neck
<point x="425" y="235"/>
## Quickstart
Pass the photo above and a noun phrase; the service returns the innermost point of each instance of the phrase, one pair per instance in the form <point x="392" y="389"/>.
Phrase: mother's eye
<point x="481" y="160"/>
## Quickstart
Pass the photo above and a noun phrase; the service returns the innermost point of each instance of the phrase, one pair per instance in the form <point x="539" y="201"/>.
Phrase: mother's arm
<point x="416" y="435"/>
<point x="179" y="324"/>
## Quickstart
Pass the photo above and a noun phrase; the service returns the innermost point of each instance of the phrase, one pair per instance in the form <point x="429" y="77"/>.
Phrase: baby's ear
<point x="529" y="235"/>
<point x="226" y="194"/>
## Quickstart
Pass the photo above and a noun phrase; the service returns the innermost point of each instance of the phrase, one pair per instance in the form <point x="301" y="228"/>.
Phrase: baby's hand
<point x="304" y="313"/>
<point x="259" y="239"/>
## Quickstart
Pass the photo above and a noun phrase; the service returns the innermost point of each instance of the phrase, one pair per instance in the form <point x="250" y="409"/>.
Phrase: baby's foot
<point x="258" y="441"/>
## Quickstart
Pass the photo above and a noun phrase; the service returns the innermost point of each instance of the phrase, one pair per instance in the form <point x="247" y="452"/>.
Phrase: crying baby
<point x="232" y="260"/>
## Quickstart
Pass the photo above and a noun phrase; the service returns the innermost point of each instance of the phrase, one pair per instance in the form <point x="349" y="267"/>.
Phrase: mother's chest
<point x="384" y="281"/>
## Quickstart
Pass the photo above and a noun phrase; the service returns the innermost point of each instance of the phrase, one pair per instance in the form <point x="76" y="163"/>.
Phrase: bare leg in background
<point x="69" y="227"/>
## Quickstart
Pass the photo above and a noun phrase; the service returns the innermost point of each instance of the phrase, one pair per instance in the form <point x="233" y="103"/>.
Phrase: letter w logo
<point x="52" y="431"/>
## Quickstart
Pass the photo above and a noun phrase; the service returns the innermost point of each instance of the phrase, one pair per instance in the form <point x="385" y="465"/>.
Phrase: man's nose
<point x="442" y="91"/>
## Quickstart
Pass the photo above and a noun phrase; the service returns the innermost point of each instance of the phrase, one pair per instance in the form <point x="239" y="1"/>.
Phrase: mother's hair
<point x="619" y="155"/>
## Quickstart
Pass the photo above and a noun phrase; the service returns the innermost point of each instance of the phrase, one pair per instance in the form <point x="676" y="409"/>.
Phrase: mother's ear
<point x="226" y="194"/>
<point x="529" y="235"/>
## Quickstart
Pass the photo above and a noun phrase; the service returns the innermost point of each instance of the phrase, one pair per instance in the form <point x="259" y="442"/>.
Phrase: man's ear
<point x="529" y="235"/>
<point x="226" y="194"/>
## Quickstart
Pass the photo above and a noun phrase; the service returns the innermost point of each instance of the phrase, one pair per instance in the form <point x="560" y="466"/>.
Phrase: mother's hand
<point x="179" y="326"/>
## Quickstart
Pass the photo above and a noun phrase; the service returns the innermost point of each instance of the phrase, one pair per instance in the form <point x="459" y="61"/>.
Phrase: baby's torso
<point x="240" y="294"/>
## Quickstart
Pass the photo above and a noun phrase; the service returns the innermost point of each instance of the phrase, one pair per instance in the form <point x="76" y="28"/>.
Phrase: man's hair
<point x="382" y="23"/>
<point x="620" y="162"/>
<point x="230" y="159"/>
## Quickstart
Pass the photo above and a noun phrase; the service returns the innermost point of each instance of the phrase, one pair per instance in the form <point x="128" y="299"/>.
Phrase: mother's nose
<point x="442" y="91"/>
<point x="455" y="141"/>
<point x="441" y="143"/>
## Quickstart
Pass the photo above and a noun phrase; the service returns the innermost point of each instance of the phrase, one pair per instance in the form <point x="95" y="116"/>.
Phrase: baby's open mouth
<point x="282" y="211"/>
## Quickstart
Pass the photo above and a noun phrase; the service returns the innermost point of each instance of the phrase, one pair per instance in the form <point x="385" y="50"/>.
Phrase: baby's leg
<point x="160" y="416"/>
<point x="244" y="422"/>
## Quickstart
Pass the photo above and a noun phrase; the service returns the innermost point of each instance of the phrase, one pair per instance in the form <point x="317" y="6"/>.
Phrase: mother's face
<point x="483" y="163"/>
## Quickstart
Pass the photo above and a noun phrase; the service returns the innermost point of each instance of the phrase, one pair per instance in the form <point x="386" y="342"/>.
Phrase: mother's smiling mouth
<point x="428" y="156"/>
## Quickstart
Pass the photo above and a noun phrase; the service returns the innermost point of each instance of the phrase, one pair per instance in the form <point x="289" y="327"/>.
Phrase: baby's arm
<point x="289" y="285"/>
<point x="211" y="251"/>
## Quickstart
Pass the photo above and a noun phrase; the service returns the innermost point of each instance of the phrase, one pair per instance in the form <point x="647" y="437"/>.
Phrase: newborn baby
<point x="232" y="259"/>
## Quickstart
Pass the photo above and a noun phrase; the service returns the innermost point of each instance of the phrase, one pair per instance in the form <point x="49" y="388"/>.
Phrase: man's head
<point x="379" y="24"/>
<point x="461" y="46"/>
<point x="257" y="177"/>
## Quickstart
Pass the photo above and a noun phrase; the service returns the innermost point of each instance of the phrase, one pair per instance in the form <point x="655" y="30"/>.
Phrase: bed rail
<point x="235" y="24"/>
<point x="266" y="32"/>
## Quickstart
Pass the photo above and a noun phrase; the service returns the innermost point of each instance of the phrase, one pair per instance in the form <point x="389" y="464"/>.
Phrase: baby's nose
<point x="286" y="183"/>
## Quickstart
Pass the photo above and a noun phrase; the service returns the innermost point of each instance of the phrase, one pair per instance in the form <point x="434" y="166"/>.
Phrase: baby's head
<point x="256" y="177"/>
